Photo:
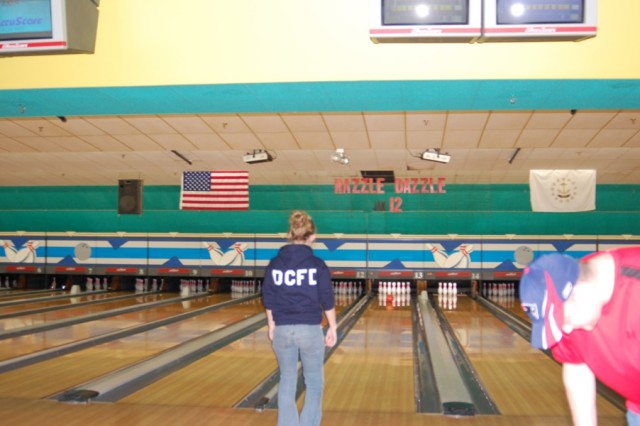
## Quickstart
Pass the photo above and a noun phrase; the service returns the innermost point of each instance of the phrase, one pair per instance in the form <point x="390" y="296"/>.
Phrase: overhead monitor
<point x="405" y="21"/>
<point x="47" y="26"/>
<point x="539" y="20"/>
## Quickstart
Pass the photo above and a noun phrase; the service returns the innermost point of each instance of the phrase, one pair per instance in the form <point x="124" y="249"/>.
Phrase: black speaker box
<point x="130" y="196"/>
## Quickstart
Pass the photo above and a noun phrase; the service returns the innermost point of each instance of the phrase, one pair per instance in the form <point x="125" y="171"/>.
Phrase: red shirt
<point x="612" y="348"/>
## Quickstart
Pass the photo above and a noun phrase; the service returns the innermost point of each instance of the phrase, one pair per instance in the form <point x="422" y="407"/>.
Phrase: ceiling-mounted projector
<point x="257" y="156"/>
<point x="435" y="155"/>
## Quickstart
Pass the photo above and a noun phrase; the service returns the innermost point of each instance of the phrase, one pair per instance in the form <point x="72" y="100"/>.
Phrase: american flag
<point x="215" y="190"/>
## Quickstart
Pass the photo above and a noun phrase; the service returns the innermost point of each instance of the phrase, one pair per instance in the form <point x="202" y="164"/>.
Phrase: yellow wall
<point x="169" y="42"/>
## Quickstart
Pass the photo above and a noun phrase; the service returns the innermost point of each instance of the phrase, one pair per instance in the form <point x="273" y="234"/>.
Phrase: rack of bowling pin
<point x="447" y="288"/>
<point x="144" y="285"/>
<point x="91" y="284"/>
<point x="243" y="287"/>
<point x="347" y="287"/>
<point x="448" y="295"/>
<point x="346" y="291"/>
<point x="192" y="286"/>
<point x="394" y="293"/>
<point x="9" y="284"/>
<point x="500" y="292"/>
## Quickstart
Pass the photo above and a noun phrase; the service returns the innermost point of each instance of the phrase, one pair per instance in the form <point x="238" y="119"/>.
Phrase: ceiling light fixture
<point x="257" y="156"/>
<point x="340" y="157"/>
<point x="434" y="154"/>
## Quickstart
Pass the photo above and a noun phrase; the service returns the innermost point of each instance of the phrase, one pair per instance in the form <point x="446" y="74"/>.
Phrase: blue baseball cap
<point x="544" y="287"/>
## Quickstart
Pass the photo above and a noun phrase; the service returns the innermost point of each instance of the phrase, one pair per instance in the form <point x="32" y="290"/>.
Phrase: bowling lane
<point x="22" y="345"/>
<point x="48" y="302"/>
<point x="217" y="380"/>
<point x="71" y="311"/>
<point x="510" y="303"/>
<point x="27" y="295"/>
<point x="58" y="374"/>
<point x="222" y="378"/>
<point x="372" y="370"/>
<point x="520" y="379"/>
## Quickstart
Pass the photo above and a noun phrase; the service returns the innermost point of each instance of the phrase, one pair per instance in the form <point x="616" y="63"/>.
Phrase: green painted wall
<point x="463" y="209"/>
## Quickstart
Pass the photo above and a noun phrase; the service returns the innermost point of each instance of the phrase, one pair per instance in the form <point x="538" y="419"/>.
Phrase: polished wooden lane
<point x="19" y="320"/>
<point x="345" y="405"/>
<point x="221" y="379"/>
<point x="512" y="304"/>
<point x="56" y="375"/>
<point x="56" y="301"/>
<point x="27" y="295"/>
<point x="26" y="344"/>
<point x="521" y="380"/>
<point x="372" y="370"/>
<point x="19" y="411"/>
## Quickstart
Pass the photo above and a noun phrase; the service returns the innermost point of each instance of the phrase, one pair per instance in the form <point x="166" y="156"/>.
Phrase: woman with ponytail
<point x="296" y="292"/>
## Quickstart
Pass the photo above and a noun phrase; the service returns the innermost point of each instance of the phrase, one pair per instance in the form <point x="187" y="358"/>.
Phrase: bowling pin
<point x="215" y="254"/>
<point x="185" y="289"/>
<point x="459" y="259"/>
<point x="466" y="252"/>
<point x="439" y="256"/>
<point x="9" y="251"/>
<point x="235" y="255"/>
<point x="27" y="253"/>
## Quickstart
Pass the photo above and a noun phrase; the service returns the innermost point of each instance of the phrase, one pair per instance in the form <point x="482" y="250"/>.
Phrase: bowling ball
<point x="523" y="255"/>
<point x="82" y="251"/>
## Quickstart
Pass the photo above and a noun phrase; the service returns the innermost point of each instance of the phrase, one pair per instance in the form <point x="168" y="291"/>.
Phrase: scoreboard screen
<point x="539" y="20"/>
<point x="425" y="12"/>
<point x="514" y="12"/>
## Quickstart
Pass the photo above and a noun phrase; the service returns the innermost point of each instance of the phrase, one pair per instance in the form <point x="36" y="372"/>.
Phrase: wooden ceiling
<point x="486" y="147"/>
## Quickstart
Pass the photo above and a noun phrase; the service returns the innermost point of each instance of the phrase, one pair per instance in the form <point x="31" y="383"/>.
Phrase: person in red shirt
<point x="586" y="313"/>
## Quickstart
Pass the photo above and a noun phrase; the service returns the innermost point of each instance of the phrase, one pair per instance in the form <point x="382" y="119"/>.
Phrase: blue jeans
<point x="307" y="342"/>
<point x="633" y="419"/>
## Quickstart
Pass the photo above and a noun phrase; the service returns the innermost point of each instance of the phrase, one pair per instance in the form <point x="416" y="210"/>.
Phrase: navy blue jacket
<point x="297" y="286"/>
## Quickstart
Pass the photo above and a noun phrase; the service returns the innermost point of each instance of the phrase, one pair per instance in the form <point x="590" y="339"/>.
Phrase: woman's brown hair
<point x="301" y="226"/>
